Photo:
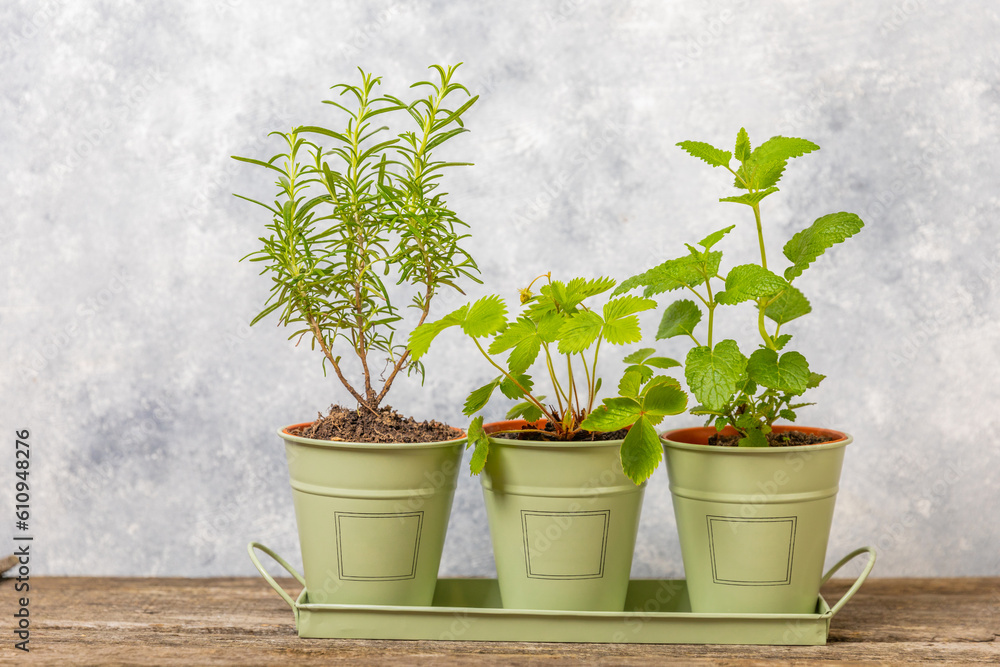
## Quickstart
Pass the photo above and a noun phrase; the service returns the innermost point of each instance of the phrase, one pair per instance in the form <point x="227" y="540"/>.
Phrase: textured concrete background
<point x="123" y="318"/>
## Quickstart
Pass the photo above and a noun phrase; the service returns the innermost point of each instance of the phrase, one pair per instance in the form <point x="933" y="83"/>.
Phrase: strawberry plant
<point x="748" y="393"/>
<point x="357" y="211"/>
<point x="559" y="331"/>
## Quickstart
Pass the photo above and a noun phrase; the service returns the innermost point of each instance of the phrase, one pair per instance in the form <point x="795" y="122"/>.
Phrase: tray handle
<point x="267" y="577"/>
<point x="857" y="584"/>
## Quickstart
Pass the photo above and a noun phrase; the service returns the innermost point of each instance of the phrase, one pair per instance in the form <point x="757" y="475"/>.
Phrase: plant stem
<point x="517" y="384"/>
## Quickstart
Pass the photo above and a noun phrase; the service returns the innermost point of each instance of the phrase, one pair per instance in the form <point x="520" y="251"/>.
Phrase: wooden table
<point x="108" y="621"/>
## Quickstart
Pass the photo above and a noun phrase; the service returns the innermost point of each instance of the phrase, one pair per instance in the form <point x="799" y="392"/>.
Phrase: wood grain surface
<point x="140" y="621"/>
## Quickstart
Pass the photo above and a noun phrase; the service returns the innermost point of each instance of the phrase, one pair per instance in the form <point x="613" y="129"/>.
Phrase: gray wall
<point x="123" y="318"/>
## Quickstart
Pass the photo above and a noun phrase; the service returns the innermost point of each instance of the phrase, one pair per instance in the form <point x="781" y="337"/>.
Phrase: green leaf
<point x="510" y="390"/>
<point x="750" y="281"/>
<point x="662" y="362"/>
<point x="526" y="410"/>
<point x="789" y="305"/>
<point x="710" y="154"/>
<point x="742" y="145"/>
<point x="715" y="237"/>
<point x="523" y="336"/>
<point x="787" y="414"/>
<point x="679" y="319"/>
<point x="781" y="341"/>
<point x="579" y="331"/>
<point x="750" y="198"/>
<point x="478" y="398"/>
<point x="810" y="243"/>
<point x="814" y="380"/>
<point x="713" y="374"/>
<point x="768" y="161"/>
<point x="662" y="400"/>
<point x="486" y="317"/>
<point x="421" y="338"/>
<point x="674" y="274"/>
<point x="549" y="325"/>
<point x="613" y="414"/>
<point x="478" y="439"/>
<point x="621" y="307"/>
<point x="630" y="384"/>
<point x="754" y="438"/>
<point x="641" y="451"/>
<point x="788" y="374"/>
<point x="621" y="326"/>
<point x="644" y="371"/>
<point x="639" y="356"/>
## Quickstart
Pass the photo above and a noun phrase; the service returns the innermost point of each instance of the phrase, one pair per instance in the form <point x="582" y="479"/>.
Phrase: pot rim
<point x="343" y="444"/>
<point x="843" y="439"/>
<point x="543" y="444"/>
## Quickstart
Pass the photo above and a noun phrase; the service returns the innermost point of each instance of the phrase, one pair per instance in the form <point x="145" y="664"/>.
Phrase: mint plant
<point x="357" y="211"/>
<point x="557" y="329"/>
<point x="748" y="393"/>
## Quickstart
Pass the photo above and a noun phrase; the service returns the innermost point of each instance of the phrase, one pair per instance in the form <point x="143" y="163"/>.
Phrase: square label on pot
<point x="375" y="546"/>
<point x="565" y="545"/>
<point x="752" y="552"/>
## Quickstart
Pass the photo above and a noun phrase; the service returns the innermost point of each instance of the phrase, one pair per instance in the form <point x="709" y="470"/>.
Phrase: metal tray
<point x="656" y="612"/>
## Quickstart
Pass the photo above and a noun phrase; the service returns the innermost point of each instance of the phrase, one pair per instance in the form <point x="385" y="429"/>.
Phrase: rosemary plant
<point x="359" y="207"/>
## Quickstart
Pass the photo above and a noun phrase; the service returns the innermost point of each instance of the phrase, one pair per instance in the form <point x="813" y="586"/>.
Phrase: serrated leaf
<point x="803" y="248"/>
<point x="526" y="410"/>
<point x="641" y="451"/>
<point x="767" y="162"/>
<point x="639" y="356"/>
<point x="523" y="337"/>
<point x="420" y="339"/>
<point x="742" y="145"/>
<point x="750" y="198"/>
<point x="579" y="331"/>
<point x="621" y="326"/>
<point x="481" y="442"/>
<point x="662" y="400"/>
<point x="720" y="423"/>
<point x="510" y="390"/>
<point x="789" y="373"/>
<point x="713" y="374"/>
<point x="781" y="341"/>
<point x="612" y="414"/>
<point x="630" y="384"/>
<point x="674" y="274"/>
<point x="814" y="380"/>
<point x="549" y="325"/>
<point x="625" y="306"/>
<point x="662" y="362"/>
<point x="787" y="414"/>
<point x="661" y="380"/>
<point x="715" y="237"/>
<point x="754" y="438"/>
<point x="644" y="371"/>
<point x="486" y="317"/>
<point x="750" y="281"/>
<point x="789" y="305"/>
<point x="478" y="398"/>
<point x="679" y="319"/>
<point x="707" y="152"/>
<point x="783" y="148"/>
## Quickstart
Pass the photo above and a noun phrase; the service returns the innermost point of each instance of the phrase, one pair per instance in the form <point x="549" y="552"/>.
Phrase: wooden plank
<point x="227" y="621"/>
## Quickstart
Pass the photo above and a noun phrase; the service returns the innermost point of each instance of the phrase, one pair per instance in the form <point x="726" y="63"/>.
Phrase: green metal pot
<point x="753" y="521"/>
<point x="563" y="519"/>
<point x="372" y="517"/>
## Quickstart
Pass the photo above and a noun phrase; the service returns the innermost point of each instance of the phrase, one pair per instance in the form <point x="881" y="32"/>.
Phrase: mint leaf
<point x="662" y="362"/>
<point x="742" y="145"/>
<point x="707" y="152"/>
<point x="768" y="161"/>
<point x="713" y="374"/>
<point x="477" y="438"/>
<point x="662" y="400"/>
<point x="579" y="331"/>
<point x="814" y="380"/>
<point x="750" y="198"/>
<point x="715" y="237"/>
<point x="753" y="438"/>
<point x="478" y="398"/>
<point x="674" y="274"/>
<point x="781" y="341"/>
<point x="421" y="338"/>
<point x="613" y="414"/>
<point x="789" y="305"/>
<point x="750" y="281"/>
<point x="485" y="317"/>
<point x="810" y="243"/>
<point x="679" y="319"/>
<point x="788" y="374"/>
<point x="641" y="451"/>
